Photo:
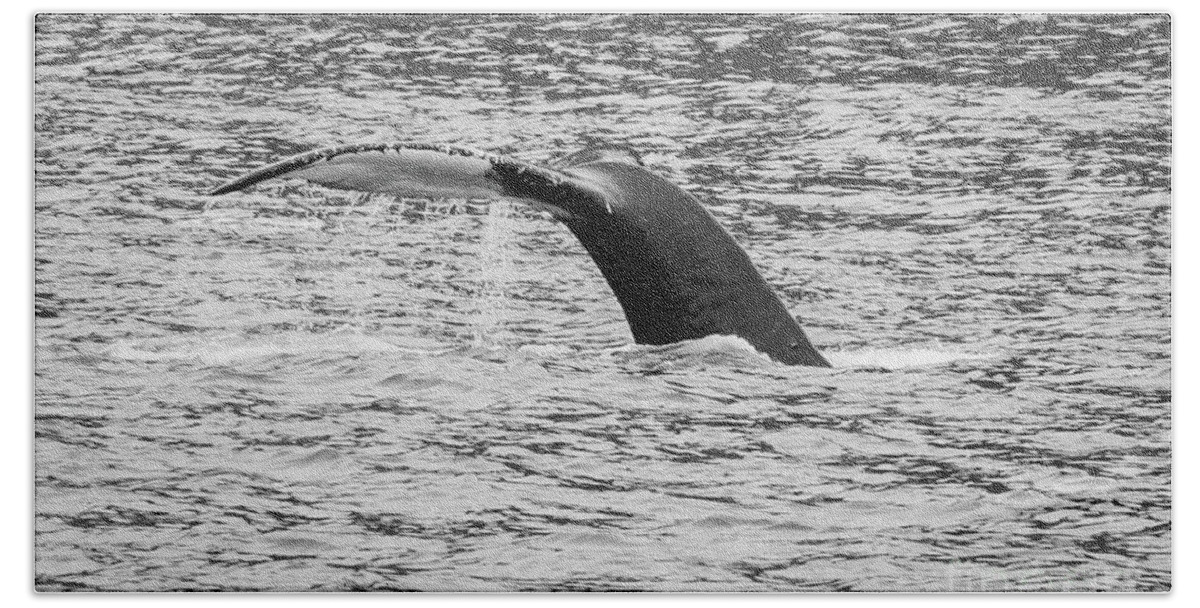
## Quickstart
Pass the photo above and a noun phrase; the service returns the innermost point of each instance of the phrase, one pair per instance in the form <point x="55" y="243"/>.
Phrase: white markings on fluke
<point x="548" y="177"/>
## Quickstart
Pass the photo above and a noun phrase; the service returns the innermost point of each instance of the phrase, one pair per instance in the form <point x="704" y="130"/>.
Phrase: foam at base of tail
<point x="898" y="358"/>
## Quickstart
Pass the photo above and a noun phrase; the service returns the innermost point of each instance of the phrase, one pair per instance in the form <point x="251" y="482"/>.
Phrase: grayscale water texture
<point x="301" y="389"/>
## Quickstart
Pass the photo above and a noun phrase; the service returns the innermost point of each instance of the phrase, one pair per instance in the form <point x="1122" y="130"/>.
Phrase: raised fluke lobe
<point x="371" y="164"/>
<point x="676" y="273"/>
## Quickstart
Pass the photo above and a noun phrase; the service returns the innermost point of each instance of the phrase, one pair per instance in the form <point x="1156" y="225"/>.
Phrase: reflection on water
<point x="297" y="389"/>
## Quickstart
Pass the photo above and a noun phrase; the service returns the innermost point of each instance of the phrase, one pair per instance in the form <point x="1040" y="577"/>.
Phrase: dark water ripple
<point x="297" y="389"/>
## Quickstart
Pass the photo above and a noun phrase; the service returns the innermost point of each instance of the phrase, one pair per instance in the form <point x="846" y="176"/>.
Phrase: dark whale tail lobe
<point x="676" y="273"/>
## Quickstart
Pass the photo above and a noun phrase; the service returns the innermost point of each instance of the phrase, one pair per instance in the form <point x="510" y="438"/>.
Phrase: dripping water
<point x="495" y="270"/>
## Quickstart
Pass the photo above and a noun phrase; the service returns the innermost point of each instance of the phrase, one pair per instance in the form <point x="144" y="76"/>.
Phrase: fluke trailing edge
<point x="677" y="274"/>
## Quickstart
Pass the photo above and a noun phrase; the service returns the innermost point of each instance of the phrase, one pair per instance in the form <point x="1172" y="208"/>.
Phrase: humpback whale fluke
<point x="676" y="273"/>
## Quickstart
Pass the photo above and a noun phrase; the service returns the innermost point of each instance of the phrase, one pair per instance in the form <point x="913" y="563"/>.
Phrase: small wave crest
<point x="733" y="351"/>
<point x="239" y="350"/>
<point x="725" y="351"/>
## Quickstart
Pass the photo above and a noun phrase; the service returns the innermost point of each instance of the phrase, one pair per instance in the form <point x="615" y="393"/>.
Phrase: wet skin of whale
<point x="676" y="273"/>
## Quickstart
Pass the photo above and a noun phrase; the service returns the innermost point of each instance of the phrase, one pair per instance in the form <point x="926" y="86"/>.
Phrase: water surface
<point x="300" y="389"/>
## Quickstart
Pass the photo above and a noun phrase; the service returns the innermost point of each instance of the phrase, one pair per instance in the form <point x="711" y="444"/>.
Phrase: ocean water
<point x="296" y="388"/>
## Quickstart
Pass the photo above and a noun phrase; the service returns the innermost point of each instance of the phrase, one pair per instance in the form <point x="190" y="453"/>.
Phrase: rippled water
<point x="296" y="388"/>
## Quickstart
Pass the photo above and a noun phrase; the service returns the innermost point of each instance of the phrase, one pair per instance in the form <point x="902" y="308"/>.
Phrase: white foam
<point x="899" y="358"/>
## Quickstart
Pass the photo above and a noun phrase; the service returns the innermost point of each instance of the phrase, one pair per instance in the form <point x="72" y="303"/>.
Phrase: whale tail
<point x="677" y="274"/>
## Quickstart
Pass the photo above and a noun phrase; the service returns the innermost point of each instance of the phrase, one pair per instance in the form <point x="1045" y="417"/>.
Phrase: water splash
<point x="495" y="270"/>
